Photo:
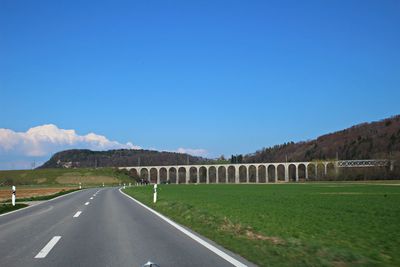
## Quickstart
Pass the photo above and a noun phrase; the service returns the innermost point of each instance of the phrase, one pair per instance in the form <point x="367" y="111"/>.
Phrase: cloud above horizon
<point x="47" y="139"/>
<point x="193" y="151"/>
<point x="20" y="149"/>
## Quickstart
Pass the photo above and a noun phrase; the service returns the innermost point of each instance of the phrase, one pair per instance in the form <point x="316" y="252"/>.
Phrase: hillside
<point x="66" y="177"/>
<point x="83" y="158"/>
<point x="379" y="139"/>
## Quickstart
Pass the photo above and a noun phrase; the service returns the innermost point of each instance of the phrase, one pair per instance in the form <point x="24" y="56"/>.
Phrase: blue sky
<point x="222" y="76"/>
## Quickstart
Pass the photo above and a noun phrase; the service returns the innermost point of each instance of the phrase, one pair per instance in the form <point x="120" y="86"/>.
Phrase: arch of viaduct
<point x="235" y="173"/>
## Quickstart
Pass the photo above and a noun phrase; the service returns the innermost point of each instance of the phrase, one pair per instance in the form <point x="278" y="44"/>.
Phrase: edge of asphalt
<point x="196" y="237"/>
<point x="41" y="202"/>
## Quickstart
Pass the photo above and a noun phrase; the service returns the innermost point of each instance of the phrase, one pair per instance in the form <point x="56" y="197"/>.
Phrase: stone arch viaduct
<point x="235" y="173"/>
<point x="250" y="172"/>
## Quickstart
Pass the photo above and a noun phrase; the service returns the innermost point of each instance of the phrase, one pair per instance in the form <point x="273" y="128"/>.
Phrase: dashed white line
<point x="30" y="206"/>
<point x="77" y="214"/>
<point x="87" y="203"/>
<point x="91" y="198"/>
<point x="43" y="253"/>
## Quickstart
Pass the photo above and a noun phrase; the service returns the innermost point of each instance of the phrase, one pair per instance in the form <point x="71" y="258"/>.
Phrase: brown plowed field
<point x="31" y="192"/>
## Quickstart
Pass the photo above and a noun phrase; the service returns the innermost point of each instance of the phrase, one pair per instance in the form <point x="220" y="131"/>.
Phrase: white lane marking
<point x="41" y="203"/>
<point x="91" y="198"/>
<point x="87" y="203"/>
<point x="214" y="249"/>
<point x="77" y="214"/>
<point x="43" y="253"/>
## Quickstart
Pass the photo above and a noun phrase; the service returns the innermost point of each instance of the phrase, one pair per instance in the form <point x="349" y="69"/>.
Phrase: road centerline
<point x="49" y="246"/>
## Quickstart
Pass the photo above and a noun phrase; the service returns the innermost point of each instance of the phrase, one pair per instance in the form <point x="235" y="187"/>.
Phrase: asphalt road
<point x="99" y="227"/>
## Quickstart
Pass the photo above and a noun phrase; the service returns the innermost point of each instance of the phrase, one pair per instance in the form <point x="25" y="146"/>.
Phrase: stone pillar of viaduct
<point x="323" y="166"/>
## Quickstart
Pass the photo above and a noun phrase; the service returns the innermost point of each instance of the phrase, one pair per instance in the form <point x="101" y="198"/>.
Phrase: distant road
<point x="98" y="227"/>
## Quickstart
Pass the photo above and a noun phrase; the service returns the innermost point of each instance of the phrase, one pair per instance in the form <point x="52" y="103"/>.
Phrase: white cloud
<point x="23" y="150"/>
<point x="47" y="139"/>
<point x="193" y="151"/>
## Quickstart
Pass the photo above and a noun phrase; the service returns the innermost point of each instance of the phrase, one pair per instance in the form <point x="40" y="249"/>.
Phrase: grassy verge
<point x="86" y="176"/>
<point x="8" y="207"/>
<point x="329" y="224"/>
<point x="47" y="197"/>
<point x="38" y="198"/>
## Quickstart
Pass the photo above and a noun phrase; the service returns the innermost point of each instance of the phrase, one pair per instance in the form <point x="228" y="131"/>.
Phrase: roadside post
<point x="13" y="196"/>
<point x="129" y="184"/>
<point x="80" y="185"/>
<point x="103" y="184"/>
<point x="155" y="194"/>
<point x="124" y="185"/>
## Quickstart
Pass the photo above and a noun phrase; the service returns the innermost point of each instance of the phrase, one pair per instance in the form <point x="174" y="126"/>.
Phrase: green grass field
<point x="66" y="177"/>
<point x="8" y="207"/>
<point x="316" y="224"/>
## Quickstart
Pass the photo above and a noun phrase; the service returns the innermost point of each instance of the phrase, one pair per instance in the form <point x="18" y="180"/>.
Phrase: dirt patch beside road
<point x="31" y="192"/>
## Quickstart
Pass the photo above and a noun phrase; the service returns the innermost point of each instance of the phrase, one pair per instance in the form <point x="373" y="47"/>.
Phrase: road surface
<point x="98" y="227"/>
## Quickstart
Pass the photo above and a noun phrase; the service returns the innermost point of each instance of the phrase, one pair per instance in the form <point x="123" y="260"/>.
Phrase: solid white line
<point x="87" y="203"/>
<point x="77" y="214"/>
<point x="214" y="249"/>
<point x="43" y="253"/>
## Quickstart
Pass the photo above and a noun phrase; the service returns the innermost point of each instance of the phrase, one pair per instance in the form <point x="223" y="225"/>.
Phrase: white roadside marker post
<point x="129" y="184"/>
<point x="103" y="184"/>
<point x="124" y="185"/>
<point x="13" y="195"/>
<point x="80" y="186"/>
<point x="155" y="194"/>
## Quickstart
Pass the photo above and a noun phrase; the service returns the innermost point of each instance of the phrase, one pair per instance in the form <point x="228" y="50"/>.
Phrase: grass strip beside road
<point x="4" y="208"/>
<point x="330" y="224"/>
<point x="46" y="197"/>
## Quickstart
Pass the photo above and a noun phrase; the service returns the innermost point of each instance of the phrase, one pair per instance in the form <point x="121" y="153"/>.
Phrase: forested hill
<point x="379" y="139"/>
<point x="80" y="158"/>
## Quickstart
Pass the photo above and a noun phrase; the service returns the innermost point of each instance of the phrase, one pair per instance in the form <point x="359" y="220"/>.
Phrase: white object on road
<point x="13" y="195"/>
<point x="43" y="253"/>
<point x="87" y="203"/>
<point x="91" y="198"/>
<point x="155" y="194"/>
<point x="77" y="214"/>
